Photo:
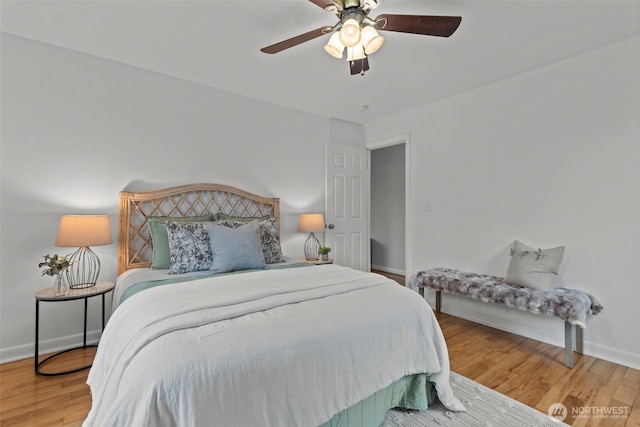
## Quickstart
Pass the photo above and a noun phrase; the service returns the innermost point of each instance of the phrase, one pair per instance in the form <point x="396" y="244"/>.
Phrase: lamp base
<point x="84" y="270"/>
<point x="311" y="247"/>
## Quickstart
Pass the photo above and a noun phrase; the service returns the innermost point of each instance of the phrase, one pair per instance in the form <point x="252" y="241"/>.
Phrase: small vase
<point x="59" y="285"/>
<point x="325" y="257"/>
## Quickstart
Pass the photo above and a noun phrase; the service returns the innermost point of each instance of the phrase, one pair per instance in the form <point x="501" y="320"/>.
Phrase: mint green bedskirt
<point x="410" y="392"/>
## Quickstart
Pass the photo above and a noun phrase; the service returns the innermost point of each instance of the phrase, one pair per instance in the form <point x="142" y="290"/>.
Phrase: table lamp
<point x="83" y="231"/>
<point x="311" y="223"/>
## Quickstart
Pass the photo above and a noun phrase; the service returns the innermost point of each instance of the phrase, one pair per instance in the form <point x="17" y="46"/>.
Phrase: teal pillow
<point x="160" y="240"/>
<point x="235" y="249"/>
<point x="269" y="235"/>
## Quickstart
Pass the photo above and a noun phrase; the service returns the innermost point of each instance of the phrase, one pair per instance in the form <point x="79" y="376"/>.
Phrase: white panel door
<point x="347" y="216"/>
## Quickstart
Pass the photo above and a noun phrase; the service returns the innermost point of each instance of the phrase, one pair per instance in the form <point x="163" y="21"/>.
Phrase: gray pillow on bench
<point x="534" y="268"/>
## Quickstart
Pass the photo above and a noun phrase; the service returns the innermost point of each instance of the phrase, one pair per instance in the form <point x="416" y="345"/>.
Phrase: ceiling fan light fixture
<point x="355" y="53"/>
<point x="371" y="40"/>
<point x="334" y="47"/>
<point x="369" y="4"/>
<point x="350" y="33"/>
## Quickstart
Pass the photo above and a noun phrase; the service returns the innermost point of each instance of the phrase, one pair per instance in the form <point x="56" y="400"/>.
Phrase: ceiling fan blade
<point x="441" y="26"/>
<point x="294" y="41"/>
<point x="328" y="3"/>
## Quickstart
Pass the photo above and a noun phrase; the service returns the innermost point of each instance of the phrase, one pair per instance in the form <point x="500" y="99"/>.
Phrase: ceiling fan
<point x="357" y="32"/>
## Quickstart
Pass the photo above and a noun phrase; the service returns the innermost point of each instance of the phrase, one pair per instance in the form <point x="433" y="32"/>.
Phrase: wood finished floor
<point x="524" y="369"/>
<point x="397" y="277"/>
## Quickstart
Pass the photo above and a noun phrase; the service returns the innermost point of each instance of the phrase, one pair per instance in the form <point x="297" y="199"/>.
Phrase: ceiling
<point x="217" y="44"/>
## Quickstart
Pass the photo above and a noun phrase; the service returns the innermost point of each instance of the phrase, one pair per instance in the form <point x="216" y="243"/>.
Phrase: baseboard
<point x="609" y="354"/>
<point x="26" y="351"/>
<point x="549" y="330"/>
<point x="387" y="270"/>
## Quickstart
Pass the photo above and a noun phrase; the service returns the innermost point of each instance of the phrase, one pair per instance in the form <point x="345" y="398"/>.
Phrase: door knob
<point x="331" y="226"/>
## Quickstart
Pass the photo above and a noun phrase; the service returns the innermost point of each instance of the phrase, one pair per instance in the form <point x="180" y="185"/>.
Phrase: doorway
<point x="388" y="201"/>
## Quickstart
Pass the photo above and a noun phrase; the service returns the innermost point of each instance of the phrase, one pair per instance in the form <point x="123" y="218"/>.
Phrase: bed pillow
<point x="220" y="216"/>
<point x="269" y="237"/>
<point x="236" y="248"/>
<point x="534" y="268"/>
<point x="189" y="248"/>
<point x="160" y="240"/>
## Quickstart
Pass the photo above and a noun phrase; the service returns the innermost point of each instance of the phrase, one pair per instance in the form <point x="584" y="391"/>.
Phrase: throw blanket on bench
<point x="570" y="305"/>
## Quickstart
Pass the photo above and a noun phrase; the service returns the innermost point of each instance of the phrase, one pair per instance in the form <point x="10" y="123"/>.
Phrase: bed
<point x="282" y="343"/>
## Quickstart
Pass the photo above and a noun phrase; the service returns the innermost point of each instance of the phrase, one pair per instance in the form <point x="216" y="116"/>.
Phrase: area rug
<point x="485" y="407"/>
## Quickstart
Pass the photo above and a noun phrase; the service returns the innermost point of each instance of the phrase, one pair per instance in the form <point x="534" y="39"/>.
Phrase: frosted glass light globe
<point x="350" y="33"/>
<point x="355" y="53"/>
<point x="334" y="47"/>
<point x="371" y="40"/>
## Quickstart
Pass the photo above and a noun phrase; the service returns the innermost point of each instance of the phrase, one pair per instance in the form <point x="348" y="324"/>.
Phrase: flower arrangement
<point x="55" y="264"/>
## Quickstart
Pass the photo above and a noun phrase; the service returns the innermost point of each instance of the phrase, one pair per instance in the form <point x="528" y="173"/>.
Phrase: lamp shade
<point x="84" y="231"/>
<point x="311" y="223"/>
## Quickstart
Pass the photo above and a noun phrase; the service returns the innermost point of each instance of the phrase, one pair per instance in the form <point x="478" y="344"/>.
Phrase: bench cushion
<point x="571" y="305"/>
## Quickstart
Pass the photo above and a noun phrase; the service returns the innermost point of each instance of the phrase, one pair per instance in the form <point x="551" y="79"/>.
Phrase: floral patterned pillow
<point x="269" y="237"/>
<point x="189" y="248"/>
<point x="160" y="241"/>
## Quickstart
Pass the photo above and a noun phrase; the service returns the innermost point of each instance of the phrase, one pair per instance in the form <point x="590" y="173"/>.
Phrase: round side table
<point x="101" y="288"/>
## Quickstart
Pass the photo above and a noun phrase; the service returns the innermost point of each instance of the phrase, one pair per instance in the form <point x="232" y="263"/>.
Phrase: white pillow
<point x="534" y="268"/>
<point x="235" y="248"/>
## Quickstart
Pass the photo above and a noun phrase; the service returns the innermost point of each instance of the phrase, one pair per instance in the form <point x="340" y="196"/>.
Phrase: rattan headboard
<point x="134" y="245"/>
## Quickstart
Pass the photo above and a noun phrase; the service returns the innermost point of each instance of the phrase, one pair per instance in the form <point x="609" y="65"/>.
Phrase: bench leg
<point x="579" y="340"/>
<point x="438" y="298"/>
<point x="568" y="344"/>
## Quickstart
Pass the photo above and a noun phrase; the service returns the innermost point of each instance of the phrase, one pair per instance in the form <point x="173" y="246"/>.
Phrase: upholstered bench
<point x="572" y="306"/>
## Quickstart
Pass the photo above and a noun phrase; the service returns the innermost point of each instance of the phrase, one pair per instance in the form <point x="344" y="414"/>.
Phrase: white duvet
<point x="287" y="347"/>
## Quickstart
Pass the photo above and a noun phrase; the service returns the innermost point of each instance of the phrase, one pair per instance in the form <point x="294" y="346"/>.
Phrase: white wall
<point x="346" y="133"/>
<point x="76" y="130"/>
<point x="551" y="157"/>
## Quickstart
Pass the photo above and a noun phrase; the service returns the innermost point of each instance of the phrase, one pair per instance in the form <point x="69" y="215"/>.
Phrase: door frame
<point x="388" y="142"/>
